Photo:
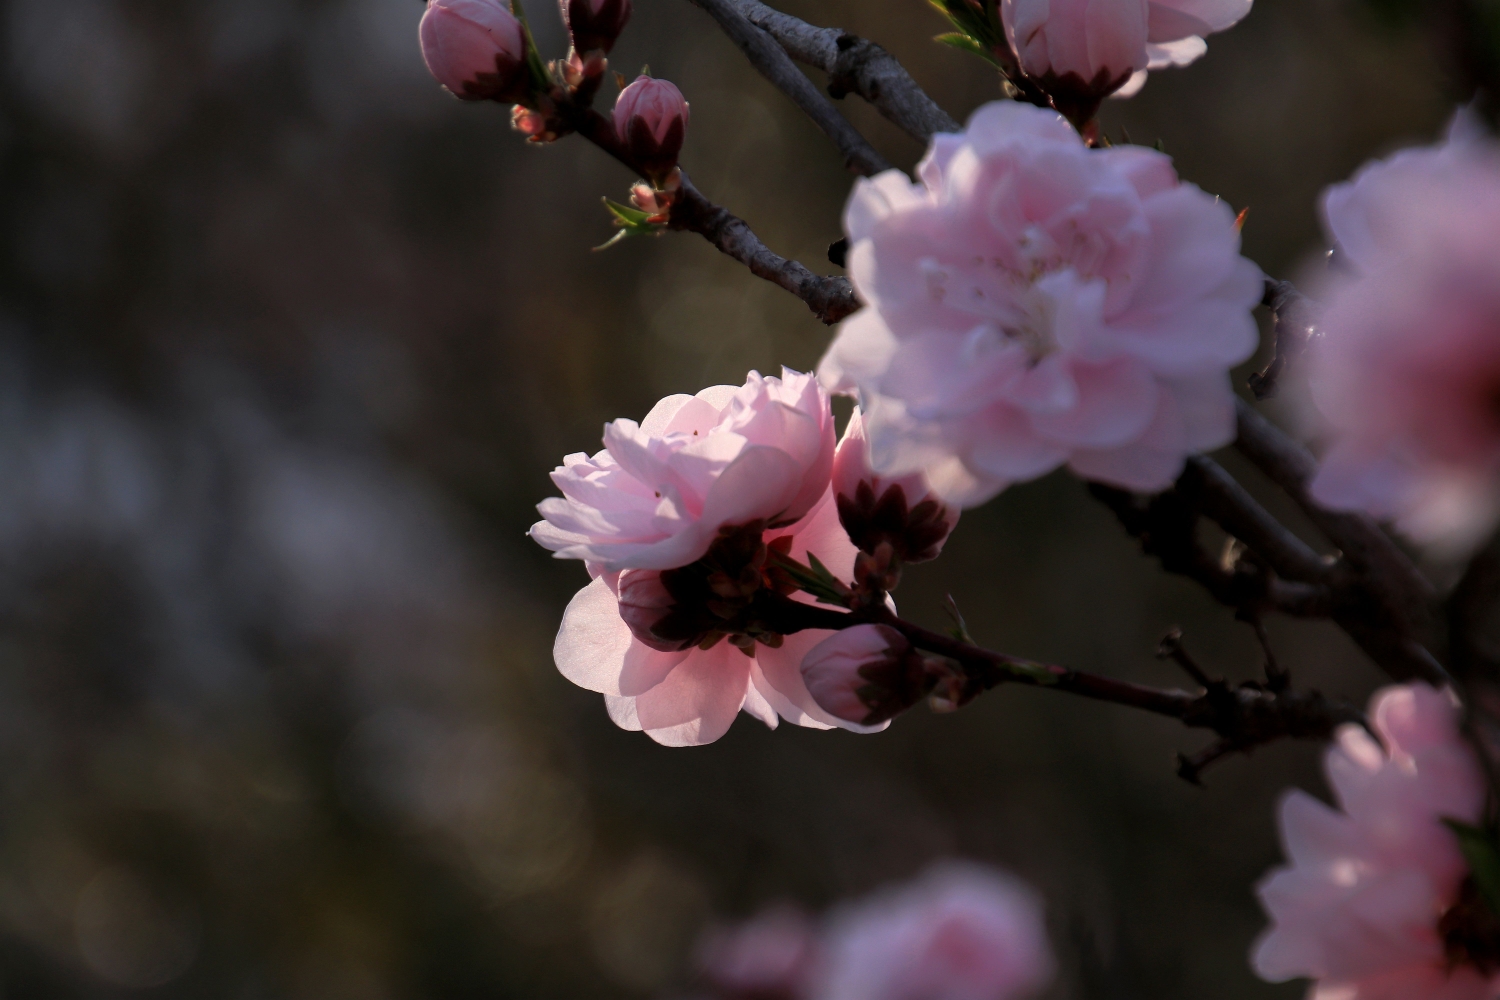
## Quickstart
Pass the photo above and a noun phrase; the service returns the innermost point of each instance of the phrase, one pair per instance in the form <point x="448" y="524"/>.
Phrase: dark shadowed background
<point x="289" y="341"/>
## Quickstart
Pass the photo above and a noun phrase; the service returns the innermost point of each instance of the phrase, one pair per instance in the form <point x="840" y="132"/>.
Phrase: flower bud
<point x="654" y="615"/>
<point x="476" y="49"/>
<point x="896" y="510"/>
<point x="865" y="674"/>
<point x="651" y="118"/>
<point x="595" y="24"/>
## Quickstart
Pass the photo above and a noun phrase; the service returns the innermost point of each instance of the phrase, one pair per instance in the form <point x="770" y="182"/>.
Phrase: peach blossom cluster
<point x="673" y="520"/>
<point x="1366" y="906"/>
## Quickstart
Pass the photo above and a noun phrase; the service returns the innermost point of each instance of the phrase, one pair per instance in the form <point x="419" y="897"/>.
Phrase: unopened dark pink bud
<point x="865" y="674"/>
<point x="593" y="25"/>
<point x="476" y="49"/>
<point x="651" y="119"/>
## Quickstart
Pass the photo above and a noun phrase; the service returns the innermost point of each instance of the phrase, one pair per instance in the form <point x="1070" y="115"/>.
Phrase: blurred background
<point x="289" y="341"/>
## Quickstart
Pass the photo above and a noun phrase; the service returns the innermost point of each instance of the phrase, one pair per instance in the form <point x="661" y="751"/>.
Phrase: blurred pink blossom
<point x="767" y="956"/>
<point x="864" y="674"/>
<point x="875" y="508"/>
<point x="1358" y="908"/>
<point x="1406" y="373"/>
<point x="959" y="932"/>
<point x="476" y="49"/>
<point x="1033" y="302"/>
<point x="689" y="696"/>
<point x="657" y="495"/>
<point x="1106" y="46"/>
<point x="651" y="119"/>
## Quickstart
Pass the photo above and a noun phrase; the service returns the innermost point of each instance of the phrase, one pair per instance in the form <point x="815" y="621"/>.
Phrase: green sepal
<point x="1483" y="855"/>
<point x="966" y="43"/>
<point x="815" y="579"/>
<point x="541" y="80"/>
<point x="631" y="222"/>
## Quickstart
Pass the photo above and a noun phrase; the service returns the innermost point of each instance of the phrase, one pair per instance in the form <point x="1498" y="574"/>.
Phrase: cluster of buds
<point x="699" y="604"/>
<point x="479" y="50"/>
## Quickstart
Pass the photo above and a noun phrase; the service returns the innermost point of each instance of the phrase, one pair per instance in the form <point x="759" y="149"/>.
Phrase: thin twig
<point x="1245" y="717"/>
<point x="855" y="66"/>
<point x="830" y="298"/>
<point x="1220" y="496"/>
<point x="1166" y="527"/>
<point x="1292" y="330"/>
<point x="772" y="62"/>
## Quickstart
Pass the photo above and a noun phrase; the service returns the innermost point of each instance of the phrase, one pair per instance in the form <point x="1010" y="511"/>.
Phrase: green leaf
<point x="1483" y="855"/>
<point x="631" y="222"/>
<point x="626" y="215"/>
<point x="966" y="43"/>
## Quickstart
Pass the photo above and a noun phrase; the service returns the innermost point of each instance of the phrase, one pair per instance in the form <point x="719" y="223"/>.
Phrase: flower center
<point x="1033" y="327"/>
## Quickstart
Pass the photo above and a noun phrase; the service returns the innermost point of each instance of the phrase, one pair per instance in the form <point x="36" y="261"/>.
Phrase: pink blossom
<point x="875" y="508"/>
<point x="651" y="119"/>
<point x="657" y="495"/>
<point x="1406" y="373"/>
<point x="865" y="674"/>
<point x="476" y="49"/>
<point x="960" y="932"/>
<point x="1359" y="906"/>
<point x="768" y="955"/>
<point x="1034" y="302"/>
<point x="689" y="695"/>
<point x="593" y="25"/>
<point x="1093" y="48"/>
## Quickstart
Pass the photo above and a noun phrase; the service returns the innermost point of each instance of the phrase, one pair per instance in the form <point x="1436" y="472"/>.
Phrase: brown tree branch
<point x="830" y="298"/>
<point x="855" y="66"/>
<point x="1166" y="525"/>
<point x="1243" y="717"/>
<point x="1223" y="500"/>
<point x="1386" y="606"/>
<point x="772" y="62"/>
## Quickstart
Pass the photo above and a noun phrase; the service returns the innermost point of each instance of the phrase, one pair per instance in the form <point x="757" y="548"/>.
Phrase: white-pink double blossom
<point x="1109" y="45"/>
<point x="657" y="495"/>
<point x="1406" y="373"/>
<point x="689" y="697"/>
<point x="1033" y="302"/>
<point x="655" y="499"/>
<point x="1358" y="909"/>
